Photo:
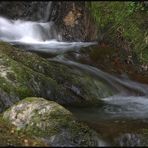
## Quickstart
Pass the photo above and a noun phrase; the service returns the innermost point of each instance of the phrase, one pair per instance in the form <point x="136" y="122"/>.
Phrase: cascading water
<point x="131" y="100"/>
<point x="26" y="31"/>
<point x="37" y="36"/>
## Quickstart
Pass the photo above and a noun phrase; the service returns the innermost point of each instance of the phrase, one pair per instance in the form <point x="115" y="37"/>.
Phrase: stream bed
<point x="122" y="119"/>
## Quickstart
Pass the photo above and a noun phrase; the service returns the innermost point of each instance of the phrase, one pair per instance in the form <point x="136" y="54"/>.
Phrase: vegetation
<point x="126" y="20"/>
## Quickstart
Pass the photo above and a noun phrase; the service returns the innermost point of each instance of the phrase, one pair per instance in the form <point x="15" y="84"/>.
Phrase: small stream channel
<point x="122" y="119"/>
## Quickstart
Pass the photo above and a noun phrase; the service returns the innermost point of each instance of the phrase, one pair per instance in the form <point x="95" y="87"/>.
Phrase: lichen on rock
<point x="50" y="122"/>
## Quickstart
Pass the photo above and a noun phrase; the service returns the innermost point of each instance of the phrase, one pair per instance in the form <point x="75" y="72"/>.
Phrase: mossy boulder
<point x="24" y="74"/>
<point x="50" y="122"/>
<point x="18" y="81"/>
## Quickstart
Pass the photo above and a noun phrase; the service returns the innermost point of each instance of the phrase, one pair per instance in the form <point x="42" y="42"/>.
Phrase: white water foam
<point x="26" y="31"/>
<point x="123" y="85"/>
<point x="129" y="106"/>
<point x="36" y="36"/>
<point x="125" y="104"/>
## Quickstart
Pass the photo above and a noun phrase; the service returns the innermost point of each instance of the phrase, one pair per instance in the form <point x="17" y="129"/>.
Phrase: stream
<point x="122" y="119"/>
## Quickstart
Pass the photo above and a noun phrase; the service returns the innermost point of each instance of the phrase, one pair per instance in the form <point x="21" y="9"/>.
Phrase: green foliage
<point x="129" y="17"/>
<point x="136" y="6"/>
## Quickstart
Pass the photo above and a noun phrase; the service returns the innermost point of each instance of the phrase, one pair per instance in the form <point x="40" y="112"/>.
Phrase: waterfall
<point x="26" y="31"/>
<point x="36" y="36"/>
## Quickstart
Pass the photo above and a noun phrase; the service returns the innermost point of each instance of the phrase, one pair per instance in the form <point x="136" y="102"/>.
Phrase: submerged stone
<point x="131" y="139"/>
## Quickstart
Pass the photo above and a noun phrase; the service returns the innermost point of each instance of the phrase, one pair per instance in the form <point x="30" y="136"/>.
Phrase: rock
<point x="9" y="136"/>
<point x="32" y="11"/>
<point x="6" y="100"/>
<point x="51" y="122"/>
<point x="24" y="74"/>
<point x="131" y="139"/>
<point x="17" y="81"/>
<point x="74" y="21"/>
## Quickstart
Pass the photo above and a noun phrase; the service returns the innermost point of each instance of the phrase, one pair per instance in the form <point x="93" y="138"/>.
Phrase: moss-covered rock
<point x="51" y="122"/>
<point x="24" y="74"/>
<point x="18" y="81"/>
<point x="10" y="136"/>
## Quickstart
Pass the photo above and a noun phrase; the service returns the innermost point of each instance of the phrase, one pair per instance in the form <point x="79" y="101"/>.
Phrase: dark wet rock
<point x="6" y="100"/>
<point x="24" y="74"/>
<point x="131" y="139"/>
<point x="32" y="11"/>
<point x="74" y="21"/>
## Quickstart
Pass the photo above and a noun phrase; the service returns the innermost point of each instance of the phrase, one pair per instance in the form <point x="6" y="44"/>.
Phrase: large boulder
<point x="51" y="122"/>
<point x="24" y="74"/>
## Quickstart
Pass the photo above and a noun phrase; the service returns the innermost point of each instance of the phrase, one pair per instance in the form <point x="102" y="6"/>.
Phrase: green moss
<point x="23" y="81"/>
<point x="55" y="122"/>
<point x="59" y="123"/>
<point x="31" y="99"/>
<point x="48" y="120"/>
<point x="9" y="136"/>
<point x="32" y="75"/>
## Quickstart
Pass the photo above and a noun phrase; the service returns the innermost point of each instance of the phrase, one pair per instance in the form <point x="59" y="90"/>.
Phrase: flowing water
<point x="122" y="119"/>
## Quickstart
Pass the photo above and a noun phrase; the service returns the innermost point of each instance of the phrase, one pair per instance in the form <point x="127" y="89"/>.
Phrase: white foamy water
<point x="127" y="103"/>
<point x="23" y="31"/>
<point x="129" y="106"/>
<point x="123" y="85"/>
<point x="26" y="31"/>
<point x="115" y="107"/>
<point x="36" y="36"/>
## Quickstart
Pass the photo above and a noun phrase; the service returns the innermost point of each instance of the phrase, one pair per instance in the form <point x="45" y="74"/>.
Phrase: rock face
<point x="74" y="21"/>
<point x="32" y="11"/>
<point x="24" y="74"/>
<point x="51" y="122"/>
